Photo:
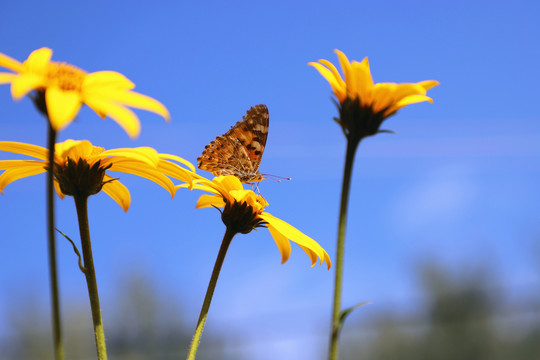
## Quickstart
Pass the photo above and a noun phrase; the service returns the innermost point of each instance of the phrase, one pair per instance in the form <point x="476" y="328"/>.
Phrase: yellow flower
<point x="62" y="89"/>
<point x="363" y="104"/>
<point x="244" y="210"/>
<point x="80" y="168"/>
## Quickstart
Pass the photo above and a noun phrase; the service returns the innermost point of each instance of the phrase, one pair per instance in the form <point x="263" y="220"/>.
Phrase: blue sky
<point x="457" y="185"/>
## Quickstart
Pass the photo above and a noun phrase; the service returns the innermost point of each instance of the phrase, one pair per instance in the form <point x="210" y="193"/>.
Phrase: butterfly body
<point x="239" y="151"/>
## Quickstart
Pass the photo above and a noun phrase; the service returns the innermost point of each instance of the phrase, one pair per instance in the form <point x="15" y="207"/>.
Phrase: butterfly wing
<point x="239" y="151"/>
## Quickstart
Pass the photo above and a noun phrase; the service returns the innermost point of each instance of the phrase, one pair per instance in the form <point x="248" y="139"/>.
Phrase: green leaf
<point x="386" y="131"/>
<point x="83" y="269"/>
<point x="348" y="311"/>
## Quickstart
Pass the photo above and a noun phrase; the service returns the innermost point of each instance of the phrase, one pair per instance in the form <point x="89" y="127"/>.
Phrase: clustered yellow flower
<point x="63" y="88"/>
<point x="80" y="168"/>
<point x="244" y="210"/>
<point x="363" y="104"/>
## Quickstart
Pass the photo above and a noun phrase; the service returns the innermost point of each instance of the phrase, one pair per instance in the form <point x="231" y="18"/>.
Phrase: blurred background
<point x="443" y="237"/>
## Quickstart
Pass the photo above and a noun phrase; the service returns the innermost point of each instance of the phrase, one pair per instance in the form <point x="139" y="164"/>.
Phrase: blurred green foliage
<point x="464" y="318"/>
<point x="140" y="325"/>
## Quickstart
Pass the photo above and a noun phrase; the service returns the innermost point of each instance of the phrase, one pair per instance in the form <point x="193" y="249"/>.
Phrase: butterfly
<point x="239" y="151"/>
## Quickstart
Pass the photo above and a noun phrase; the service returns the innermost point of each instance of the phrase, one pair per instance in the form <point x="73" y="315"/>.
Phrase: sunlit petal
<point x="312" y="256"/>
<point x="336" y="85"/>
<point x="117" y="191"/>
<point x="135" y="168"/>
<point x="197" y="186"/>
<point x="10" y="63"/>
<point x="6" y="78"/>
<point x="11" y="164"/>
<point x="122" y="115"/>
<point x="229" y="182"/>
<point x="295" y="235"/>
<point x="282" y="243"/>
<point x="24" y="149"/>
<point x="62" y="106"/>
<point x="136" y="100"/>
<point x="38" y="60"/>
<point x="14" y="174"/>
<point x="96" y="80"/>
<point x="178" y="159"/>
<point x="58" y="190"/>
<point x="23" y="84"/>
<point x="175" y="171"/>
<point x="412" y="99"/>
<point x="334" y="70"/>
<point x="208" y="201"/>
<point x="428" y="84"/>
<point x="146" y="155"/>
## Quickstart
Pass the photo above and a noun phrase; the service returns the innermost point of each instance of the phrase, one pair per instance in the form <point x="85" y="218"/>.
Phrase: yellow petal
<point x="14" y="174"/>
<point x="344" y="62"/>
<point x="136" y="100"/>
<point x="346" y="67"/>
<point x="428" y="84"/>
<point x="229" y="182"/>
<point x="38" y="60"/>
<point x="179" y="159"/>
<point x="58" y="190"/>
<point x="335" y="84"/>
<point x="295" y="235"/>
<point x="213" y="187"/>
<point x="13" y="164"/>
<point x="413" y="99"/>
<point x="122" y="115"/>
<point x="175" y="171"/>
<point x="197" y="186"/>
<point x="406" y="89"/>
<point x="135" y="168"/>
<point x="75" y="149"/>
<point x="282" y="243"/>
<point x="334" y="71"/>
<point x="143" y="154"/>
<point x="10" y="63"/>
<point x="24" y="83"/>
<point x="6" y="78"/>
<point x="209" y="200"/>
<point x="24" y="149"/>
<point x="311" y="254"/>
<point x="361" y="83"/>
<point x="117" y="192"/>
<point x="62" y="106"/>
<point x="96" y="80"/>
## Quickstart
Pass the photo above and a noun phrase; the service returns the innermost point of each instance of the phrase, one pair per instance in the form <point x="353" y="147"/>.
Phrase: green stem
<point x="352" y="145"/>
<point x="227" y="238"/>
<point x="90" y="273"/>
<point x="53" y="273"/>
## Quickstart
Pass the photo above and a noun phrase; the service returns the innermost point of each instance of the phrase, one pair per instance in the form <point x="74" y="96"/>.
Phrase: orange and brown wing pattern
<point x="239" y="151"/>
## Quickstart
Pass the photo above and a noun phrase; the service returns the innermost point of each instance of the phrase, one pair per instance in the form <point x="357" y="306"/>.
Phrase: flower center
<point x="67" y="77"/>
<point x="79" y="178"/>
<point x="241" y="217"/>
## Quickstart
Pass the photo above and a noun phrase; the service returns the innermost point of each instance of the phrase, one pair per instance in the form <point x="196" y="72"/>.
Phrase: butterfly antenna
<point x="275" y="177"/>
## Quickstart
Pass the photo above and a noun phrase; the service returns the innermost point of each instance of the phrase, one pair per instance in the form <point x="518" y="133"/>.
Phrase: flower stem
<point x="227" y="238"/>
<point x="53" y="273"/>
<point x="82" y="215"/>
<point x="352" y="145"/>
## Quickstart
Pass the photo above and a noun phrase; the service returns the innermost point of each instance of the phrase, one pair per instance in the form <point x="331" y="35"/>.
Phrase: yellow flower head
<point x="243" y="210"/>
<point x="80" y="168"/>
<point x="62" y="89"/>
<point x="363" y="104"/>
